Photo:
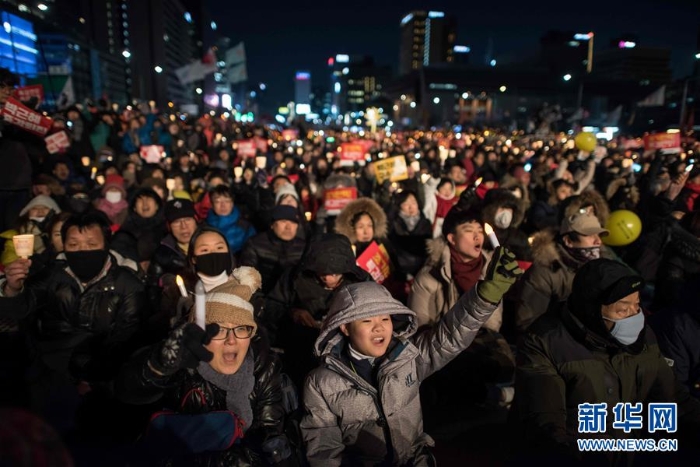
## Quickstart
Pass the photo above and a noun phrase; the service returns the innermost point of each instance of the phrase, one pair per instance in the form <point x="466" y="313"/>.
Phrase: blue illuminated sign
<point x="18" y="51"/>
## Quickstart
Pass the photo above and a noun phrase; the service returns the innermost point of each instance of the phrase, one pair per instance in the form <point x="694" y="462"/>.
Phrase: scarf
<point x="444" y="205"/>
<point x="465" y="274"/>
<point x="238" y="387"/>
<point x="411" y="221"/>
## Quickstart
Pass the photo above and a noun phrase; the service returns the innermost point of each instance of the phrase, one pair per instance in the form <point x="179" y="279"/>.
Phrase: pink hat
<point x="114" y="181"/>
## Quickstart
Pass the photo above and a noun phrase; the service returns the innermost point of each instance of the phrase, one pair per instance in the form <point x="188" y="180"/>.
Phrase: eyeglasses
<point x="240" y="332"/>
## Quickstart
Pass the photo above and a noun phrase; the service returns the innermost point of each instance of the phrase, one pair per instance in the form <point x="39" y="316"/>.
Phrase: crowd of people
<point x="211" y="306"/>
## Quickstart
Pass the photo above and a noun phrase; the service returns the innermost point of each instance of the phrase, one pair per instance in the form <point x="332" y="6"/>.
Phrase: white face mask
<point x="113" y="196"/>
<point x="503" y="218"/>
<point x="38" y="220"/>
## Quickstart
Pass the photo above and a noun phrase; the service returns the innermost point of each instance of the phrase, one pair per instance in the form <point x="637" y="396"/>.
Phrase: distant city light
<point x="413" y="105"/>
<point x="346" y="70"/>
<point x="626" y="44"/>
<point x="436" y="100"/>
<point x="263" y="86"/>
<point x="213" y="25"/>
<point x="342" y="58"/>
<point x="436" y="14"/>
<point x="303" y="76"/>
<point x="198" y="90"/>
<point x="583" y="37"/>
<point x="158" y="69"/>
<point x="567" y="77"/>
<point x="42" y="7"/>
<point x="126" y="54"/>
<point x="7" y="26"/>
<point x="336" y="88"/>
<point x="697" y="56"/>
<point x="406" y="19"/>
<point x="302" y="109"/>
<point x="188" y="17"/>
<point x="226" y="101"/>
<point x="492" y="62"/>
<point x="502" y="89"/>
<point x="461" y="49"/>
<point x="465" y="95"/>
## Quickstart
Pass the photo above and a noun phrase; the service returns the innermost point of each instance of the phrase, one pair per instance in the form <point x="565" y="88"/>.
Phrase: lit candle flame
<point x="492" y="236"/>
<point x="487" y="228"/>
<point x="181" y="285"/>
<point x="478" y="182"/>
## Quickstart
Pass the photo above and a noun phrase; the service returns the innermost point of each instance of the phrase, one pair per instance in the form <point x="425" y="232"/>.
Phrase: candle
<point x="238" y="172"/>
<point x="94" y="172"/>
<point x="85" y="160"/>
<point x="181" y="286"/>
<point x="170" y="184"/>
<point x="492" y="235"/>
<point x="199" y="304"/>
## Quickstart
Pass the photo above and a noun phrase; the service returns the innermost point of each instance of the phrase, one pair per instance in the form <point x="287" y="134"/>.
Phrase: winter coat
<point x="548" y="281"/>
<point x="271" y="255"/>
<point x="343" y="223"/>
<point x="87" y="331"/>
<point x="434" y="292"/>
<point x="562" y="363"/>
<point x="168" y="259"/>
<point x="351" y="422"/>
<point x="511" y="237"/>
<point x="236" y="229"/>
<point x="410" y="247"/>
<point x="679" y="265"/>
<point x="138" y="384"/>
<point x="543" y="215"/>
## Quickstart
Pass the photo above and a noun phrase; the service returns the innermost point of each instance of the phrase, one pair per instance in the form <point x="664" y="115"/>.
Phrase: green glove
<point x="501" y="274"/>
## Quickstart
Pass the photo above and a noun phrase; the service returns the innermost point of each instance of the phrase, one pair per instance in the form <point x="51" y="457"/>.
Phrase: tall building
<point x="627" y="62"/>
<point x="302" y="92"/>
<point x="355" y="82"/>
<point x="563" y="52"/>
<point x="427" y="38"/>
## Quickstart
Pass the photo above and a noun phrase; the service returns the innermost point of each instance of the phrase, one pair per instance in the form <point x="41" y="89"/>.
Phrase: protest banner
<point x="375" y="260"/>
<point x="350" y="153"/>
<point x="57" y="142"/>
<point x="666" y="142"/>
<point x="393" y="169"/>
<point x="247" y="148"/>
<point x="25" y="118"/>
<point x="24" y="94"/>
<point x="152" y="153"/>
<point x="335" y="199"/>
<point x="290" y="134"/>
<point x="260" y="144"/>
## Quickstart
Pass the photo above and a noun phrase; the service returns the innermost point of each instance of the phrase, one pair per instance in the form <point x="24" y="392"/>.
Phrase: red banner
<point x="335" y="199"/>
<point x="667" y="142"/>
<point x="57" y="142"/>
<point x="152" y="153"/>
<point x="25" y="118"/>
<point x="375" y="260"/>
<point x="352" y="152"/>
<point x="27" y="92"/>
<point x="247" y="148"/>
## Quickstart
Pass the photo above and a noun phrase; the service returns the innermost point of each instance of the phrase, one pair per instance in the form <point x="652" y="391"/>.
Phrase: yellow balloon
<point x="624" y="226"/>
<point x="586" y="141"/>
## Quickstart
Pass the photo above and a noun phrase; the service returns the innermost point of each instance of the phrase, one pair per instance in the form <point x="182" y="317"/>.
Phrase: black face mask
<point x="213" y="264"/>
<point x="86" y="264"/>
<point x="78" y="205"/>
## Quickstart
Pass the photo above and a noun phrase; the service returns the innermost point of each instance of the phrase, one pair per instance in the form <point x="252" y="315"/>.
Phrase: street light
<point x="126" y="54"/>
<point x="198" y="90"/>
<point x="567" y="77"/>
<point x="42" y="7"/>
<point x="465" y="95"/>
<point x="697" y="56"/>
<point x="158" y="69"/>
<point x="436" y="100"/>
<point x="502" y="89"/>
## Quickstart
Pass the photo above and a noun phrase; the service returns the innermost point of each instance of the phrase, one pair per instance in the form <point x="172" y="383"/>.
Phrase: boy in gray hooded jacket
<point x="362" y="404"/>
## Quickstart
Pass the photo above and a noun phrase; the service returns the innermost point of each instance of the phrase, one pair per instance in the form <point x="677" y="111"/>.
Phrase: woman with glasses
<point x="226" y="367"/>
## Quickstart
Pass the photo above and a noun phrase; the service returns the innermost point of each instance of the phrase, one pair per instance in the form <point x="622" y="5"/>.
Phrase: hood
<point x="502" y="198"/>
<point x="339" y="181"/>
<point x="41" y="200"/>
<point x="344" y="227"/>
<point x="438" y="252"/>
<point x="589" y="197"/>
<point x="544" y="248"/>
<point x="592" y="285"/>
<point x="331" y="254"/>
<point x="146" y="192"/>
<point x="359" y="301"/>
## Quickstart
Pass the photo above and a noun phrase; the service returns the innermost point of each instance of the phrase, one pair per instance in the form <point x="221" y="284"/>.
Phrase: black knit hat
<point x="178" y="208"/>
<point x="331" y="254"/>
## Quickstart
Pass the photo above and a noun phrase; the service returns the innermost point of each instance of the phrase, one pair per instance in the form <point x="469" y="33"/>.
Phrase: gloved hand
<point x="184" y="348"/>
<point x="501" y="274"/>
<point x="277" y="450"/>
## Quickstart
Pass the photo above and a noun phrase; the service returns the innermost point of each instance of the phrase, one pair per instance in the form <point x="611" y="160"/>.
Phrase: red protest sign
<point x="666" y="142"/>
<point x="261" y="144"/>
<point x="247" y="148"/>
<point x="375" y="260"/>
<point x="25" y="93"/>
<point x="25" y="118"/>
<point x="57" y="142"/>
<point x="335" y="199"/>
<point x="152" y="153"/>
<point x="352" y="152"/>
<point x="290" y="134"/>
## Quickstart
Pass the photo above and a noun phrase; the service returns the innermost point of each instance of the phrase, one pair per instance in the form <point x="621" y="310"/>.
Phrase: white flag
<point x="235" y="55"/>
<point x="67" y="97"/>
<point x="197" y="69"/>
<point x="655" y="99"/>
<point x="237" y="74"/>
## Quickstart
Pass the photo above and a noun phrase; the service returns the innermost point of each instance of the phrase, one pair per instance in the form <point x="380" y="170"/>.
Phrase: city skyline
<point x="285" y="39"/>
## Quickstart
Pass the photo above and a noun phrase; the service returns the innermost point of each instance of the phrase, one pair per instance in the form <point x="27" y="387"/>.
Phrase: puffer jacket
<point x="271" y="255"/>
<point x="86" y="332"/>
<point x="434" y="292"/>
<point x="548" y="282"/>
<point x="137" y="384"/>
<point x="350" y="422"/>
<point x="236" y="229"/>
<point x="167" y="259"/>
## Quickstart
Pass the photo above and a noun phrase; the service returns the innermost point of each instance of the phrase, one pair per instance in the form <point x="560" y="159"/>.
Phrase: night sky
<point x="282" y="37"/>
